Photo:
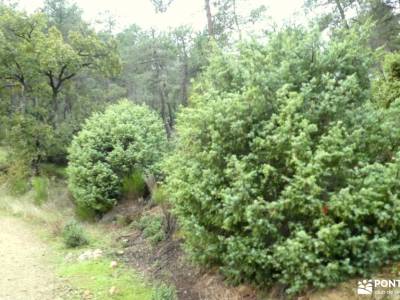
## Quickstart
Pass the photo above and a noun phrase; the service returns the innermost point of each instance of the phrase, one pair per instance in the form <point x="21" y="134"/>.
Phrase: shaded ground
<point x="24" y="274"/>
<point x="167" y="262"/>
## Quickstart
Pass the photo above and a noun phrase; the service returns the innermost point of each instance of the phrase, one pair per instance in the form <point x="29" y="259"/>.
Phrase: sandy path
<point x="24" y="274"/>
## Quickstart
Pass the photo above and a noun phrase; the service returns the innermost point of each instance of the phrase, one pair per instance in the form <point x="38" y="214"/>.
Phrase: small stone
<point x="112" y="291"/>
<point x="97" y="254"/>
<point x="113" y="264"/>
<point x="87" y="295"/>
<point x="120" y="252"/>
<point x="69" y="257"/>
<point x="85" y="255"/>
<point x="82" y="257"/>
<point x="125" y="243"/>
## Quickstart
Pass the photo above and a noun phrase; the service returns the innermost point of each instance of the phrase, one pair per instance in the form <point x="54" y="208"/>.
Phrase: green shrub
<point x="134" y="185"/>
<point x="73" y="235"/>
<point x="18" y="174"/>
<point x="40" y="187"/>
<point x="152" y="227"/>
<point x="29" y="139"/>
<point x="110" y="146"/>
<point x="164" y="292"/>
<point x="284" y="171"/>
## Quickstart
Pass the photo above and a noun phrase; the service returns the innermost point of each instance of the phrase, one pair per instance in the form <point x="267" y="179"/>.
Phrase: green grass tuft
<point x="40" y="187"/>
<point x="164" y="292"/>
<point x="160" y="195"/>
<point x="134" y="185"/>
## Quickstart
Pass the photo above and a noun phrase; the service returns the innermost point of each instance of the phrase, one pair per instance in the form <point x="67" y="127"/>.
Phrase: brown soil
<point x="168" y="263"/>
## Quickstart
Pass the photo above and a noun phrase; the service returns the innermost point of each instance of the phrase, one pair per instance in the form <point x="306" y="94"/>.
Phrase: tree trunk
<point x="170" y="115"/>
<point x="210" y="24"/>
<point x="163" y="109"/>
<point x="185" y="81"/>
<point x="236" y="19"/>
<point x="55" y="108"/>
<point x="185" y="75"/>
<point x="342" y="14"/>
<point x="161" y="89"/>
<point x="36" y="161"/>
<point x="67" y="107"/>
<point x="22" y="104"/>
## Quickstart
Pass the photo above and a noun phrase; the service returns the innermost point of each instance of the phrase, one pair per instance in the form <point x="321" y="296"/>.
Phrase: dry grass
<point x="52" y="213"/>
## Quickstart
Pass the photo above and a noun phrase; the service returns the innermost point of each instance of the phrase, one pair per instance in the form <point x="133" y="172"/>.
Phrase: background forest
<point x="276" y="148"/>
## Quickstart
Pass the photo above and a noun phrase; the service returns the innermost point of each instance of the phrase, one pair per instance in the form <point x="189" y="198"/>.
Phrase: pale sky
<point x="181" y="12"/>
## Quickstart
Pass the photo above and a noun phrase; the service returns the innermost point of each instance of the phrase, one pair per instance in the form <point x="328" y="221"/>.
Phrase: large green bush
<point x="284" y="170"/>
<point x="111" y="145"/>
<point x="40" y="185"/>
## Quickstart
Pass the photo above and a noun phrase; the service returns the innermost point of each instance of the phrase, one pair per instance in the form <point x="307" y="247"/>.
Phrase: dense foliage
<point x="284" y="170"/>
<point x="39" y="60"/>
<point x="286" y="161"/>
<point x="110" y="146"/>
<point x="387" y="86"/>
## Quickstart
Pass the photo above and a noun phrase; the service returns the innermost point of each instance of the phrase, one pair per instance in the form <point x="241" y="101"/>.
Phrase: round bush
<point x="284" y="171"/>
<point x="111" y="146"/>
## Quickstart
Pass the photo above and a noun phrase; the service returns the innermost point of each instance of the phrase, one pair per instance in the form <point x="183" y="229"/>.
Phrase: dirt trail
<point x="24" y="274"/>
